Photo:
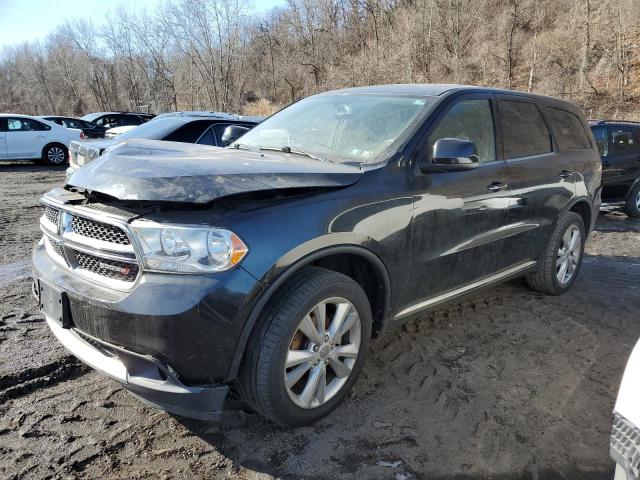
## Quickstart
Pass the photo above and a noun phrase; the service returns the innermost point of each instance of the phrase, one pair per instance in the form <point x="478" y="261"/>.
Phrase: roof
<point x="217" y="115"/>
<point x="205" y="114"/>
<point x="441" y="90"/>
<point x="19" y="115"/>
<point x="613" y="122"/>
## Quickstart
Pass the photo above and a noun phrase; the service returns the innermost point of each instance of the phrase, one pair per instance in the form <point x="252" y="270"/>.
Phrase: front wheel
<point x="310" y="347"/>
<point x="632" y="205"/>
<point x="560" y="262"/>
<point x="55" y="154"/>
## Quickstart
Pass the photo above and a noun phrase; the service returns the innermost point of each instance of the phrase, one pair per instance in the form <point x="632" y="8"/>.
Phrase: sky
<point x="22" y="20"/>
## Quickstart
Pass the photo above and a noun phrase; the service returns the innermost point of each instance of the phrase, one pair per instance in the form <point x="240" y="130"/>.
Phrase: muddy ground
<point x="510" y="384"/>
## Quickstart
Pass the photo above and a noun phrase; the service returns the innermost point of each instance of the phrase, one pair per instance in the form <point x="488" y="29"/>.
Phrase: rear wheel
<point x="55" y="154"/>
<point x="560" y="263"/>
<point x="632" y="205"/>
<point x="309" y="350"/>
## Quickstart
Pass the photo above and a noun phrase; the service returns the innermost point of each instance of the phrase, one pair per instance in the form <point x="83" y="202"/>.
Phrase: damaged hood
<point x="155" y="170"/>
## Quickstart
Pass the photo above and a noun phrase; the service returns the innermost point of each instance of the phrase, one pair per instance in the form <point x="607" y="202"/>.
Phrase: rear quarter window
<point x="523" y="129"/>
<point x="568" y="129"/>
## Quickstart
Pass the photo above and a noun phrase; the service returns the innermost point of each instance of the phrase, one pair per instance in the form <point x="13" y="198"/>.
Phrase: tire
<point x="632" y="205"/>
<point x="546" y="278"/>
<point x="55" y="154"/>
<point x="262" y="375"/>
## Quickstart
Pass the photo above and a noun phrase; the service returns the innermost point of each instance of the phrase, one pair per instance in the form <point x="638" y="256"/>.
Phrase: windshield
<point x="156" y="129"/>
<point x="354" y="128"/>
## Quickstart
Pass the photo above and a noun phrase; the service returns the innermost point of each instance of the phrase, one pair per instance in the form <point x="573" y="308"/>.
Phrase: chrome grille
<point x="94" y="244"/>
<point x="625" y="445"/>
<point x="56" y="246"/>
<point x="52" y="215"/>
<point x="109" y="268"/>
<point x="99" y="231"/>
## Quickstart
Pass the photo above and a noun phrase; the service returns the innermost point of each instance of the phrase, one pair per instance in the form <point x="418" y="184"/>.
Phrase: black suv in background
<point x="203" y="128"/>
<point x="619" y="146"/>
<point x="117" y="119"/>
<point x="186" y="272"/>
<point x="89" y="129"/>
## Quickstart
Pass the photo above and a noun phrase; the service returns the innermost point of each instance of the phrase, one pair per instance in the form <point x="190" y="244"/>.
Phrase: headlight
<point x="175" y="248"/>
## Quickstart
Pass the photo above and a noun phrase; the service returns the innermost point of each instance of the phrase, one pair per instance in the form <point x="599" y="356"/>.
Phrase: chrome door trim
<point x="433" y="301"/>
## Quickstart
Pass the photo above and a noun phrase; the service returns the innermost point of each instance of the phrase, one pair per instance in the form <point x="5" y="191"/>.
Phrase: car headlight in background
<point x="177" y="248"/>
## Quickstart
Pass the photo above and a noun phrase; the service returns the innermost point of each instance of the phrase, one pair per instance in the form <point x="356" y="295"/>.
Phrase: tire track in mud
<point x="13" y="272"/>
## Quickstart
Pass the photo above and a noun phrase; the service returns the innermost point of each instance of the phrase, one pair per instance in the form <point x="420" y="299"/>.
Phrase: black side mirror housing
<point x="232" y="133"/>
<point x="451" y="155"/>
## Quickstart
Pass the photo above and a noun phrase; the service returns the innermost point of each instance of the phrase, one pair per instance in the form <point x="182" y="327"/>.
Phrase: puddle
<point x="12" y="272"/>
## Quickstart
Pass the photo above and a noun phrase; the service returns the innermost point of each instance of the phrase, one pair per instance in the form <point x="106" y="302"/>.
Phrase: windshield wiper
<point x="242" y="146"/>
<point x="287" y="149"/>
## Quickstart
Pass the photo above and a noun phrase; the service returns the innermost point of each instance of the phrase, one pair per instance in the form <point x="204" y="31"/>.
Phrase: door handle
<point x="496" y="186"/>
<point x="565" y="174"/>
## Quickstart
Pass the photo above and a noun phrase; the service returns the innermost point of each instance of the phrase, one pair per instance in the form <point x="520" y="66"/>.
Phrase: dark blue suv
<point x="619" y="145"/>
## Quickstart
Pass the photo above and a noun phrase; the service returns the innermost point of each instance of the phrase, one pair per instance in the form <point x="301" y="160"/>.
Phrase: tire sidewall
<point x="631" y="208"/>
<point x="570" y="219"/>
<point x="282" y="405"/>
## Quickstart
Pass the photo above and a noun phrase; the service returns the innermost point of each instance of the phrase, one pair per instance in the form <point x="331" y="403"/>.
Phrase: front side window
<point x="470" y="120"/>
<point x="602" y="140"/>
<point x="568" y="129"/>
<point x="523" y="129"/>
<point x="343" y="128"/>
<point x="622" y="140"/>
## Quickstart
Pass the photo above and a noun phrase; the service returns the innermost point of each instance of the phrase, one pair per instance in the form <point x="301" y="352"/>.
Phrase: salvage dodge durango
<point x="257" y="274"/>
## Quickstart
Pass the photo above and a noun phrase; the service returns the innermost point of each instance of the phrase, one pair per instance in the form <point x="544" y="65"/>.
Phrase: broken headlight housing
<point x="185" y="249"/>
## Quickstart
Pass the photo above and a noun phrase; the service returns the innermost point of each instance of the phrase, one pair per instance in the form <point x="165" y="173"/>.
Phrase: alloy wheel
<point x="638" y="200"/>
<point x="568" y="254"/>
<point x="55" y="155"/>
<point x="322" y="352"/>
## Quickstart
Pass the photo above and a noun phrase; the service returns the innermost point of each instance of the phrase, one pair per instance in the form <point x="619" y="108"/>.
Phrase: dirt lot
<point x="509" y="384"/>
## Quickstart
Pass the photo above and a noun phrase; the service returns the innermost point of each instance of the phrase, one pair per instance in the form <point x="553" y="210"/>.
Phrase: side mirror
<point x="232" y="133"/>
<point x="451" y="155"/>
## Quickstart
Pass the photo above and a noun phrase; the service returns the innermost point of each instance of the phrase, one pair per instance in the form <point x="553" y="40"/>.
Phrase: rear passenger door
<point x="541" y="184"/>
<point x="622" y="165"/>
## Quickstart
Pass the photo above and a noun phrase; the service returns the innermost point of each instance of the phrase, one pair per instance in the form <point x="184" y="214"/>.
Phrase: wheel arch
<point x="582" y="206"/>
<point x="51" y="144"/>
<point x="352" y="260"/>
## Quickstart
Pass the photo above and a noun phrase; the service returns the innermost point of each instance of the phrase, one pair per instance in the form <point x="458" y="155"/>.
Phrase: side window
<point x="523" y="129"/>
<point x="602" y="140"/>
<point x="188" y="133"/>
<point x="622" y="140"/>
<point x="470" y="120"/>
<point x="73" y="124"/>
<point x="102" y="121"/>
<point x="207" y="138"/>
<point x="25" y="125"/>
<point x="14" y="125"/>
<point x="568" y="129"/>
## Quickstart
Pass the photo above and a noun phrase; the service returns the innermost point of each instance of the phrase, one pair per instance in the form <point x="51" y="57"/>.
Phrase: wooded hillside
<point x="214" y="55"/>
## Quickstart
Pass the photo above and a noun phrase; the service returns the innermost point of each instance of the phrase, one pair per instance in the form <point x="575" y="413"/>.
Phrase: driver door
<point x="458" y="216"/>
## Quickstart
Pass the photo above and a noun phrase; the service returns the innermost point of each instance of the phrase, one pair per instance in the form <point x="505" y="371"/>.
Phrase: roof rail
<point x="613" y="120"/>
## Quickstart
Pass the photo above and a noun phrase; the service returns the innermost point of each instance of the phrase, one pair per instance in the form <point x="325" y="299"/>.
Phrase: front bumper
<point x="170" y="340"/>
<point x="145" y="377"/>
<point x="625" y="447"/>
<point x="625" y="435"/>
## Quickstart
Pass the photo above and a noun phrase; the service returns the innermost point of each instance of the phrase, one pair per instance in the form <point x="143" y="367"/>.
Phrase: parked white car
<point x="625" y="436"/>
<point x="23" y="137"/>
<point x="114" y="132"/>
